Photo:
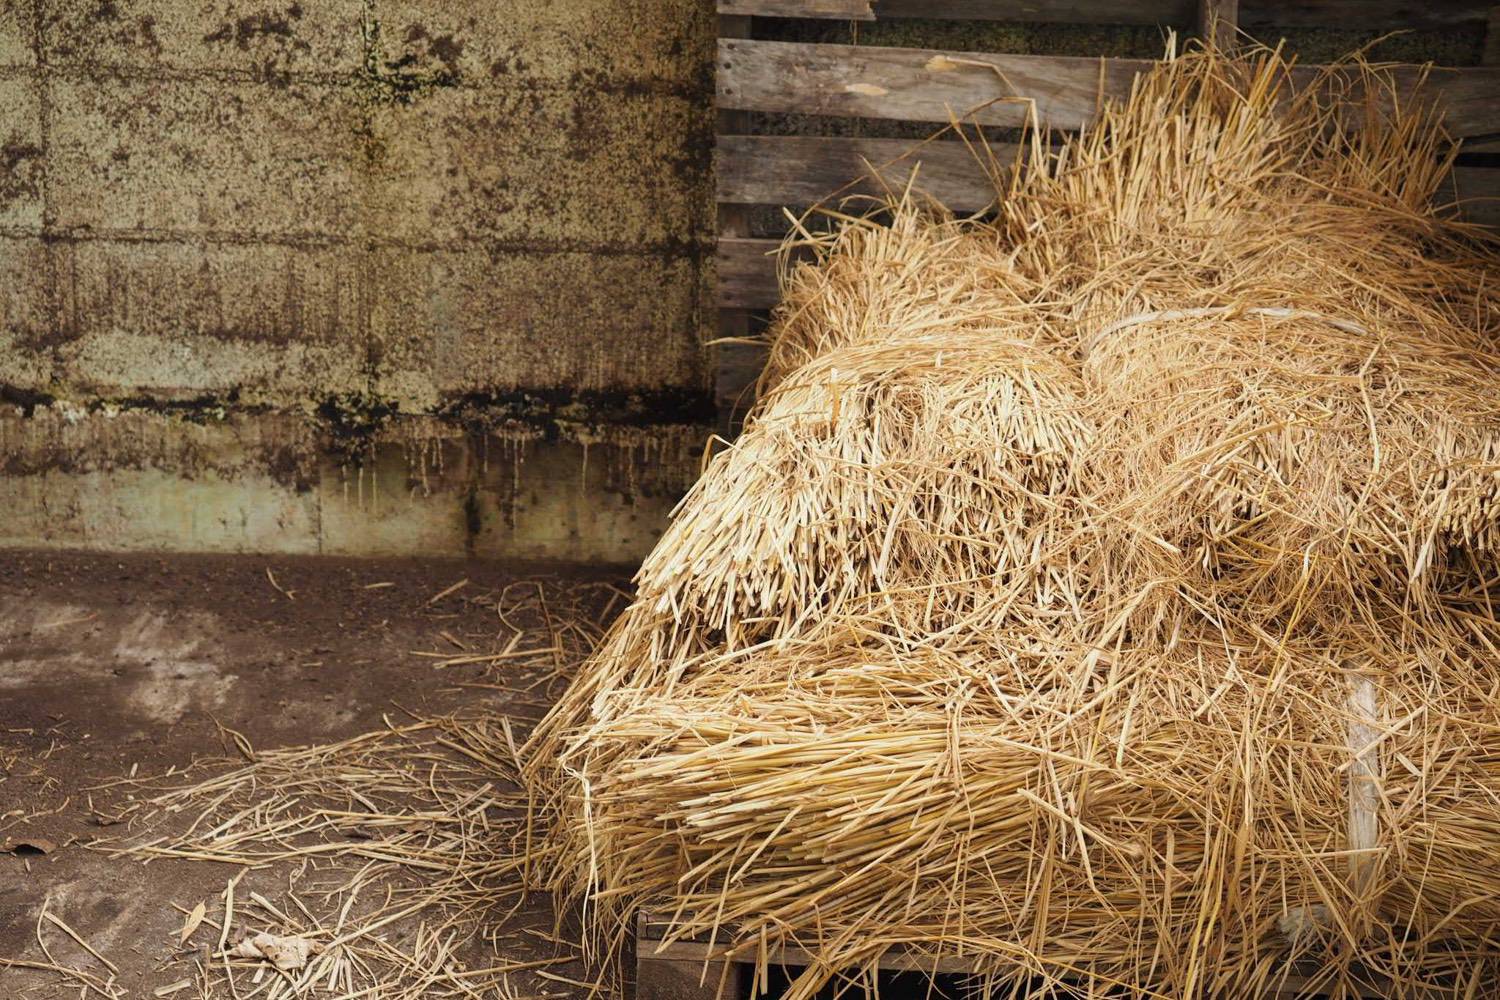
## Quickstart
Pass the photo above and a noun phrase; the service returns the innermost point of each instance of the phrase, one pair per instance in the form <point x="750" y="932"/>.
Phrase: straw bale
<point x="1102" y="590"/>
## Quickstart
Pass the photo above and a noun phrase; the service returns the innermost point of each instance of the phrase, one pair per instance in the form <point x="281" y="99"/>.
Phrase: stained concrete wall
<point x="344" y="215"/>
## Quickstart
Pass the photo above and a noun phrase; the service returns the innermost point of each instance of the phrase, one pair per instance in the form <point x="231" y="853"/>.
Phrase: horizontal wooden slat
<point x="927" y="85"/>
<point x="1469" y="98"/>
<point x="914" y="84"/>
<point x="702" y="952"/>
<point x="1362" y="14"/>
<point x="800" y="171"/>
<point x="1478" y="194"/>
<point x="1046" y="11"/>
<point x="747" y="272"/>
<point x="842" y="10"/>
<point x="805" y="170"/>
<point x="1312" y="14"/>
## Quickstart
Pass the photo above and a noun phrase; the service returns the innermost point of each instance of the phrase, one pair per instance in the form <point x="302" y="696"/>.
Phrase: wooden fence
<point x="911" y="85"/>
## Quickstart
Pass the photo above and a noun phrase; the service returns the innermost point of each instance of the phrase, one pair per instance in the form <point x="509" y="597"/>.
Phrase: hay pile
<point x="1103" y="592"/>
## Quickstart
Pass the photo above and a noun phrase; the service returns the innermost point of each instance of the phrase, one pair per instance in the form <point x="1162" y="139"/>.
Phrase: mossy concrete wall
<point x="228" y="218"/>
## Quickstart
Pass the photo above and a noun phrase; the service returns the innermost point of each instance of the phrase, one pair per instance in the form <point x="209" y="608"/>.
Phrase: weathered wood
<point x="1219" y="20"/>
<point x="671" y="975"/>
<point x="696" y="953"/>
<point x="806" y="170"/>
<point x="916" y="84"/>
<point x="1477" y="191"/>
<point x="1272" y="13"/>
<point x="1260" y="14"/>
<point x="733" y="324"/>
<point x="747" y="274"/>
<point x="800" y="171"/>
<point x="1178" y="12"/>
<point x="693" y="956"/>
<point x="747" y="271"/>
<point x="843" y="10"/>
<point x="1491" y="55"/>
<point x="659" y="978"/>
<point x="1468" y="98"/>
<point x="935" y="86"/>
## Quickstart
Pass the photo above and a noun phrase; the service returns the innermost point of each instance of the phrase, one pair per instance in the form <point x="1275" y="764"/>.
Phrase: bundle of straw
<point x="1101" y="592"/>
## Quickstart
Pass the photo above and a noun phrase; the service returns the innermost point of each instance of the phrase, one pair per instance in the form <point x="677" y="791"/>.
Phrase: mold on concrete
<point x="22" y="161"/>
<point x="26" y="313"/>
<point x="208" y="476"/>
<point x="622" y="171"/>
<point x="261" y="38"/>
<point x="658" y="44"/>
<point x="178" y="158"/>
<point x="172" y="319"/>
<point x="451" y="323"/>
<point x="306" y="277"/>
<point x="67" y="438"/>
<point x="17" y="37"/>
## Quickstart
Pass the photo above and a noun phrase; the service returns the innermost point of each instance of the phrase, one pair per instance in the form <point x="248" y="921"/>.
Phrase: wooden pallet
<point x="899" y="83"/>
<point x="698" y="970"/>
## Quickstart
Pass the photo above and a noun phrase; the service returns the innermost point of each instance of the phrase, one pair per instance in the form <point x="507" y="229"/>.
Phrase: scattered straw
<point x="407" y="829"/>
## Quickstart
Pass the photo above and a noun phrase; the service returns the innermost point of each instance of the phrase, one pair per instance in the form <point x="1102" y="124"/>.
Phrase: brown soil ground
<point x="114" y="664"/>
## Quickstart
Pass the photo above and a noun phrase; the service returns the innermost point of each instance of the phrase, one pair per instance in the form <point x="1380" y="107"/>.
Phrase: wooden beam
<point x="915" y="84"/>
<point x="935" y="86"/>
<point x="1362" y="14"/>
<point x="1468" y="98"/>
<point x="800" y="171"/>
<point x="1477" y="191"/>
<point x="733" y="371"/>
<point x="1046" y="11"/>
<point x="746" y="273"/>
<point x="1182" y="13"/>
<point x="841" y="10"/>
<point x="706" y="957"/>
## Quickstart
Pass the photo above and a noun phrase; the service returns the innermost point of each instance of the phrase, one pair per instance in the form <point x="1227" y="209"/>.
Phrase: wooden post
<point x="683" y="971"/>
<point x="1218" y="22"/>
<point x="731" y="361"/>
<point x="669" y="979"/>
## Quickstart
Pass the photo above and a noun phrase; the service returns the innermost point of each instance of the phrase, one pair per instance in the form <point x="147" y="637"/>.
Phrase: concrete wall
<point x="360" y="219"/>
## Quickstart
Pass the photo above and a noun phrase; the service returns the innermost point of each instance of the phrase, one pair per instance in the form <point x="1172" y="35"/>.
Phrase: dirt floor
<point x="113" y="666"/>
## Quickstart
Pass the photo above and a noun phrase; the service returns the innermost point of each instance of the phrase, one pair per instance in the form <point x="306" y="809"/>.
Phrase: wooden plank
<point x="747" y="275"/>
<point x="934" y="86"/>
<point x="662" y="976"/>
<point x="1362" y="14"/>
<point x="1262" y="14"/>
<point x="732" y="376"/>
<point x="693" y="956"/>
<point x="800" y="171"/>
<point x="915" y="84"/>
<point x="1468" y="98"/>
<point x="1477" y="191"/>
<point x="1178" y="12"/>
<point x="747" y="272"/>
<point x="1219" y="20"/>
<point x="696" y="953"/>
<point x="842" y="10"/>
<point x="1491" y="55"/>
<point x="805" y="170"/>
